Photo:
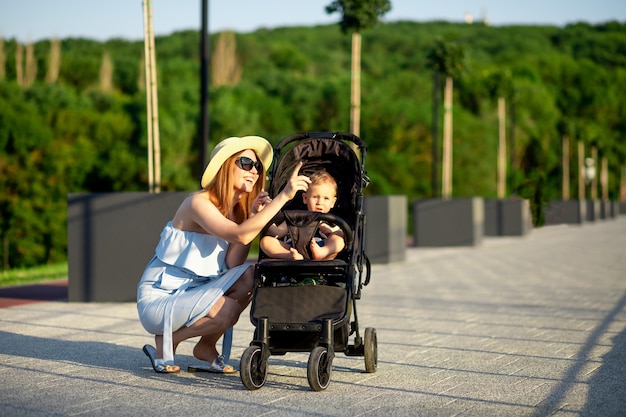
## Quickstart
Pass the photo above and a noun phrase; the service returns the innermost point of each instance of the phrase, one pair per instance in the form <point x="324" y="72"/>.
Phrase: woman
<point x="197" y="283"/>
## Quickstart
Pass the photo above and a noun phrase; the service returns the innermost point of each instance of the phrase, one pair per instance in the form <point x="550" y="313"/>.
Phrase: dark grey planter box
<point x="454" y="222"/>
<point x="509" y="217"/>
<point x="593" y="210"/>
<point x="111" y="238"/>
<point x="385" y="228"/>
<point x="615" y="208"/>
<point x="606" y="210"/>
<point x="622" y="207"/>
<point x="565" y="212"/>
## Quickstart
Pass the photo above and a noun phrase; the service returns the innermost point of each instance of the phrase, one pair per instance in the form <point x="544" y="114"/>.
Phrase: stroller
<point x="310" y="305"/>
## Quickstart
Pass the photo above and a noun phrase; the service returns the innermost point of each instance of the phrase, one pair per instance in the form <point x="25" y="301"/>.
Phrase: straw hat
<point x="233" y="145"/>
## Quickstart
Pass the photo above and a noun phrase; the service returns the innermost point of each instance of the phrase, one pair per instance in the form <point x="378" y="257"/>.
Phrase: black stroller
<point x="310" y="305"/>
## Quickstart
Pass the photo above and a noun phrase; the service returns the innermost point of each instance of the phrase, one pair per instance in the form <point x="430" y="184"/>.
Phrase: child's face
<point x="320" y="197"/>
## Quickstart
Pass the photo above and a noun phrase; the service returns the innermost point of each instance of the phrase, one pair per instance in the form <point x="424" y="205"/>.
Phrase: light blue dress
<point x="187" y="275"/>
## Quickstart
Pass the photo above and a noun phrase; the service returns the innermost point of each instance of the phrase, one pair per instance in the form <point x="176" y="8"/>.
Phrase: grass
<point x="34" y="275"/>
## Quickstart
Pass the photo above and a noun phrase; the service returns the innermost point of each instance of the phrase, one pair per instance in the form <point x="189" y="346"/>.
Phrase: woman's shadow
<point x="87" y="353"/>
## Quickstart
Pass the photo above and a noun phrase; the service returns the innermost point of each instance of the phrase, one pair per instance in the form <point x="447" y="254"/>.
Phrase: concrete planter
<point x="111" y="238"/>
<point x="622" y="207"/>
<point x="454" y="222"/>
<point x="385" y="228"/>
<point x="593" y="210"/>
<point x="615" y="208"/>
<point x="565" y="212"/>
<point x="608" y="209"/>
<point x="509" y="217"/>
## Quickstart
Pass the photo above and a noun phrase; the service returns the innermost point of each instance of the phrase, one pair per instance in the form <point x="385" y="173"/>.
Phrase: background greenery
<point x="85" y="129"/>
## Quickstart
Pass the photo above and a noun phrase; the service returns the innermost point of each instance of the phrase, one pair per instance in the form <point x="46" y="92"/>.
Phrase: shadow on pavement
<point x="23" y="294"/>
<point x="606" y="391"/>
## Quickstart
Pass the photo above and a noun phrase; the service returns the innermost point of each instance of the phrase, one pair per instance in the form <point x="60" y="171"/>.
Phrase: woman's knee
<point x="243" y="286"/>
<point x="225" y="313"/>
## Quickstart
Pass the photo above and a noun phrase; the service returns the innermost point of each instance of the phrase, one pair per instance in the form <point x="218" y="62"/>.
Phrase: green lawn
<point x="22" y="276"/>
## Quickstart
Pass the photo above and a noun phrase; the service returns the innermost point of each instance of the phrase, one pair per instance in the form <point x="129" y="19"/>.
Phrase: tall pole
<point x="446" y="177"/>
<point x="594" y="180"/>
<point x="501" y="186"/>
<point x="152" y="103"/>
<point x="565" y="163"/>
<point x="622" y="188"/>
<point x="156" y="150"/>
<point x="355" y="95"/>
<point x="203" y="136"/>
<point x="147" y="62"/>
<point x="581" y="171"/>
<point x="604" y="178"/>
<point x="435" y="134"/>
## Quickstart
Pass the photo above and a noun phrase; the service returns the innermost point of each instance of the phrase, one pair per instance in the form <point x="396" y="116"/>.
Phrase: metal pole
<point x="203" y="137"/>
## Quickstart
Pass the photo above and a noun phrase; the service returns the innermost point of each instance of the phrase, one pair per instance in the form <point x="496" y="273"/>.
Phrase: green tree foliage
<point x="358" y="14"/>
<point x="69" y="137"/>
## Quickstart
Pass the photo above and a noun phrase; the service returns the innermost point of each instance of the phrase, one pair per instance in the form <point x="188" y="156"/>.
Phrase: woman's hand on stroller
<point x="296" y="182"/>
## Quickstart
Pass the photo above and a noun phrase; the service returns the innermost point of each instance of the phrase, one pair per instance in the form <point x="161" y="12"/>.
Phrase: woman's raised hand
<point x="296" y="182"/>
<point x="260" y="202"/>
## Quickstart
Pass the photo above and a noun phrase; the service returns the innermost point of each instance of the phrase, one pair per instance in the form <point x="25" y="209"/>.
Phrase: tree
<point x="356" y="16"/>
<point x="500" y="87"/>
<point x="446" y="58"/>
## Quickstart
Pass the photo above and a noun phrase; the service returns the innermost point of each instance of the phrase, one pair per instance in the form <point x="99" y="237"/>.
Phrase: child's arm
<point x="328" y="230"/>
<point x="278" y="231"/>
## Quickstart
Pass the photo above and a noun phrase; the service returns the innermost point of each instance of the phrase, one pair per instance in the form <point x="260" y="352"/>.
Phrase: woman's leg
<point x="224" y="314"/>
<point x="241" y="290"/>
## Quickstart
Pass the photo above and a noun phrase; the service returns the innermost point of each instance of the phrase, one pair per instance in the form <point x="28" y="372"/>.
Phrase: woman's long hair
<point x="221" y="191"/>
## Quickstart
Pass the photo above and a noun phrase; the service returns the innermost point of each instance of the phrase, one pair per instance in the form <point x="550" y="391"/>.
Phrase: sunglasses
<point x="247" y="164"/>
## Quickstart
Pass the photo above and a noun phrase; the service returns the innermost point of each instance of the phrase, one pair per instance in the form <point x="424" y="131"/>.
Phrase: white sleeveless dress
<point x="187" y="275"/>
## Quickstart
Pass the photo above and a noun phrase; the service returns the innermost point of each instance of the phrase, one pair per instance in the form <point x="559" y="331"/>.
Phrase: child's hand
<point x="325" y="229"/>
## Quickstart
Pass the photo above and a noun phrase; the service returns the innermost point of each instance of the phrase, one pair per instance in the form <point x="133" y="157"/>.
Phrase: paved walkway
<point x="531" y="326"/>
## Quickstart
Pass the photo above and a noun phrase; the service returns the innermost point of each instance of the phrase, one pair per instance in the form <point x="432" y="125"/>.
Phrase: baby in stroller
<point x="328" y="242"/>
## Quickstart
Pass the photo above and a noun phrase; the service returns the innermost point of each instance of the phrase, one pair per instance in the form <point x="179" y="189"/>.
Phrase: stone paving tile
<point x="532" y="326"/>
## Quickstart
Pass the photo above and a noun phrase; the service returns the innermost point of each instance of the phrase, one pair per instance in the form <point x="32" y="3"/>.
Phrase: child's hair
<point x="323" y="177"/>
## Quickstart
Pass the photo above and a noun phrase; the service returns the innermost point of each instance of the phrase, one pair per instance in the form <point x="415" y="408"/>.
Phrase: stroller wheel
<point x="319" y="368"/>
<point x="370" y="345"/>
<point x="253" y="369"/>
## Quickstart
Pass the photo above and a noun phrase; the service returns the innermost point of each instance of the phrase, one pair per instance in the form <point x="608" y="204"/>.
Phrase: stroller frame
<point x="308" y="305"/>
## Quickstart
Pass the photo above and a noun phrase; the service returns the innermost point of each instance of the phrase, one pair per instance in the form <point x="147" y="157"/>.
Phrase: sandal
<point x="218" y="366"/>
<point x="158" y="364"/>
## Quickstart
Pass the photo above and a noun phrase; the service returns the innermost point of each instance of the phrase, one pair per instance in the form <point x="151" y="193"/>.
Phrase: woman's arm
<point x="237" y="254"/>
<point x="204" y="213"/>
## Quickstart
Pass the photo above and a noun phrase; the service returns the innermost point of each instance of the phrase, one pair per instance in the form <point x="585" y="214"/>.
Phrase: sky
<point x="33" y="20"/>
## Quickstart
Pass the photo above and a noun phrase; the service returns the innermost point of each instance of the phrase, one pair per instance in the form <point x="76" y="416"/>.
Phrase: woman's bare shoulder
<point x="186" y="215"/>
